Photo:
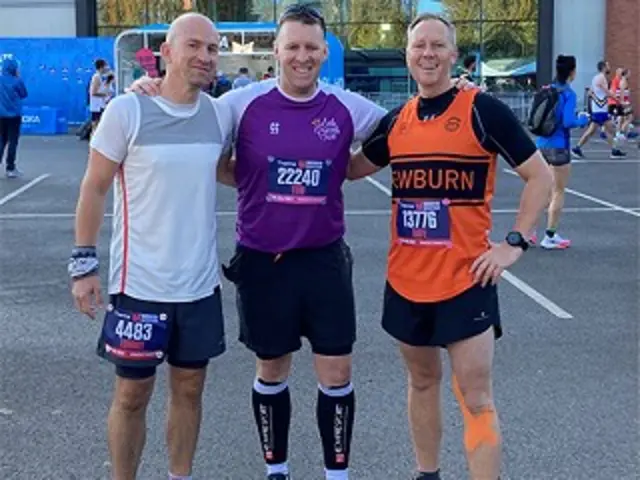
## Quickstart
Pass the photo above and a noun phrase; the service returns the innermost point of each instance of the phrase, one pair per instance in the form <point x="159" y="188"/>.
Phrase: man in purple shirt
<point x="292" y="267"/>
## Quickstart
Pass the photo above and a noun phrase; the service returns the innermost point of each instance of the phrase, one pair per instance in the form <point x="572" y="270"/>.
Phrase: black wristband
<point x="84" y="252"/>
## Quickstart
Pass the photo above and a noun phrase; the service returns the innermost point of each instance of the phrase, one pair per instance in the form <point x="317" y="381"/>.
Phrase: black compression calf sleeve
<point x="335" y="415"/>
<point x="272" y="413"/>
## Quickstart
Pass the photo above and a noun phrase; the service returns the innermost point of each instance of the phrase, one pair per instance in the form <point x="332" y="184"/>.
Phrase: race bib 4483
<point x="135" y="336"/>
<point x="423" y="223"/>
<point x="303" y="182"/>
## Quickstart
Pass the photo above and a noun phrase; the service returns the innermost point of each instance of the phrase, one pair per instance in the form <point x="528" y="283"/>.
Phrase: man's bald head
<point x="190" y="51"/>
<point x="188" y="22"/>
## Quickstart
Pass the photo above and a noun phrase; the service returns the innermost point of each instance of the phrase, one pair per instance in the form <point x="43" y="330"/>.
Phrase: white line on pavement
<point x="591" y="198"/>
<point x="608" y="162"/>
<point x="379" y="186"/>
<point x="22" y="189"/>
<point x="536" y="296"/>
<point x="353" y="213"/>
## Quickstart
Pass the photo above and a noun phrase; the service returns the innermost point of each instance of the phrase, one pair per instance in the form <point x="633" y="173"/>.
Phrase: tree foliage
<point x="381" y="24"/>
<point x="508" y="28"/>
<point x="130" y="13"/>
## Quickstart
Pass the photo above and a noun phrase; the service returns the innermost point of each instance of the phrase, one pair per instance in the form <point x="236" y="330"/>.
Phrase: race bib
<point x="423" y="222"/>
<point x="302" y="182"/>
<point x="135" y="338"/>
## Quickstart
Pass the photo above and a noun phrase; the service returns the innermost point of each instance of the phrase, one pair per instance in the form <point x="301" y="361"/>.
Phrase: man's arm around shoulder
<point x="225" y="172"/>
<point x="360" y="166"/>
<point x="374" y="154"/>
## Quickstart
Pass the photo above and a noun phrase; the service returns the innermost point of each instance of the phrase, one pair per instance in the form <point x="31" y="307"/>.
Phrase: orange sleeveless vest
<point x="615" y="88"/>
<point x="443" y="182"/>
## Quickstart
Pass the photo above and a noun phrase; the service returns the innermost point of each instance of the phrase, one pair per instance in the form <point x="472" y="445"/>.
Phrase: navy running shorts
<point x="139" y="335"/>
<point x="600" y="118"/>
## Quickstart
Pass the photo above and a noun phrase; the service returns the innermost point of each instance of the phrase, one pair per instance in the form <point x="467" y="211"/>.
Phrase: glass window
<point x="259" y="41"/>
<point x="229" y="39"/>
<point x="117" y="15"/>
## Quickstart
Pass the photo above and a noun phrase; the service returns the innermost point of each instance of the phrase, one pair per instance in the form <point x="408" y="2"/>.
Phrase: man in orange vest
<point x="441" y="291"/>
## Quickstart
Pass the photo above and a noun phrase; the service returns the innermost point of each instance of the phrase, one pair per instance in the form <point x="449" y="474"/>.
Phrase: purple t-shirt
<point x="291" y="162"/>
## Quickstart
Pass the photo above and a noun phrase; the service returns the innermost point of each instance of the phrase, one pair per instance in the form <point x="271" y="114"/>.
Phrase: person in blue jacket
<point x="557" y="148"/>
<point x="12" y="92"/>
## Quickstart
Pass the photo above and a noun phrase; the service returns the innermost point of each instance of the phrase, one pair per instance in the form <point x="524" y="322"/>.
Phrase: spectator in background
<point x="109" y="88"/>
<point x="223" y="85"/>
<point x="12" y="92"/>
<point x="269" y="74"/>
<point x="469" y="63"/>
<point x="97" y="93"/>
<point x="243" y="79"/>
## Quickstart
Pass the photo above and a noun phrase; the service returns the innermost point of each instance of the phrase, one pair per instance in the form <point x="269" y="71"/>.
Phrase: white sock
<point x="337" y="474"/>
<point x="179" y="477"/>
<point x="278" y="468"/>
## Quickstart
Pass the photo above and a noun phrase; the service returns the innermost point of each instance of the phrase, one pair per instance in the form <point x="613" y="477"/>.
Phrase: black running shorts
<point x="137" y="335"/>
<point x="301" y="293"/>
<point x="442" y="323"/>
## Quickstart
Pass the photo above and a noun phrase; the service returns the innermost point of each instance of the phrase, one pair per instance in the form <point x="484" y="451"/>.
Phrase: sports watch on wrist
<point x="515" y="239"/>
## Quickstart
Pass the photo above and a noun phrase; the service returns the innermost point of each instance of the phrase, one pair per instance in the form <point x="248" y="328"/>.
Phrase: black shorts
<point x="301" y="293"/>
<point x="96" y="116"/>
<point x="616" y="110"/>
<point x="138" y="335"/>
<point x="557" y="156"/>
<point x="442" y="323"/>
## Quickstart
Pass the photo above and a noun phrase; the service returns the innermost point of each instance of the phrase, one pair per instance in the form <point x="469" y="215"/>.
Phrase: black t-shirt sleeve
<point x="376" y="147"/>
<point x="499" y="131"/>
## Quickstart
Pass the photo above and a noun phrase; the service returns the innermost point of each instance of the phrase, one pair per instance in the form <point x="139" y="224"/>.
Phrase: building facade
<point x="622" y="41"/>
<point x="592" y="31"/>
<point x="518" y="37"/>
<point x="38" y="18"/>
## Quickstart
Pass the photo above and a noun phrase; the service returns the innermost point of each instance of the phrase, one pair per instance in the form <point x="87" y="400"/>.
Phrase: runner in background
<point x="598" y="99"/>
<point x="626" y="114"/>
<point x="557" y="149"/>
<point x="97" y="93"/>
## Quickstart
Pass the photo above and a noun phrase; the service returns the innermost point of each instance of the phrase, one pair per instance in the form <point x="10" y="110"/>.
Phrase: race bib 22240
<point x="298" y="182"/>
<point x="423" y="223"/>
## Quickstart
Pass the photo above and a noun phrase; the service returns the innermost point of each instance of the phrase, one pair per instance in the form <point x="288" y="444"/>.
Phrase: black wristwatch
<point x="515" y="239"/>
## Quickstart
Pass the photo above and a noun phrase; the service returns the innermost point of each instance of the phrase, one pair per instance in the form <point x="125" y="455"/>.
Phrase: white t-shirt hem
<point x="138" y="295"/>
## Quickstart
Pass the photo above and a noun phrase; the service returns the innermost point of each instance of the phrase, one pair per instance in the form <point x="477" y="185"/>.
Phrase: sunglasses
<point x="301" y="10"/>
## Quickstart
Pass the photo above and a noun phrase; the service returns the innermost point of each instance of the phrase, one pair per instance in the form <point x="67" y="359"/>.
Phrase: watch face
<point x="514" y="238"/>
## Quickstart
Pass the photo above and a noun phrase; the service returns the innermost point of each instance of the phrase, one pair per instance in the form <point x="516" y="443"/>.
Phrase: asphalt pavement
<point x="566" y="370"/>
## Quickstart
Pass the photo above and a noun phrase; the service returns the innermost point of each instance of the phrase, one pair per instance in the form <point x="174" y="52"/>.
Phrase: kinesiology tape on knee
<point x="479" y="427"/>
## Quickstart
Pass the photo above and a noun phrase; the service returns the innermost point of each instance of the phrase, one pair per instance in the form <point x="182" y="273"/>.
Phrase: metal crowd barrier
<point x="519" y="102"/>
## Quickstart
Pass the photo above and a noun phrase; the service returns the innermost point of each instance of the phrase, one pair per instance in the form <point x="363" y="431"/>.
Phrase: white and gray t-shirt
<point x="163" y="245"/>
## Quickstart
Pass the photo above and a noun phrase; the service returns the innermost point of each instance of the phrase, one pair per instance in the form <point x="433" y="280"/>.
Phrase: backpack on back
<point x="543" y="119"/>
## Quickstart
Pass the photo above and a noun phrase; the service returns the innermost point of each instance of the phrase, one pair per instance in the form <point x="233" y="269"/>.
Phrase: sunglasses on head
<point x="301" y="10"/>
